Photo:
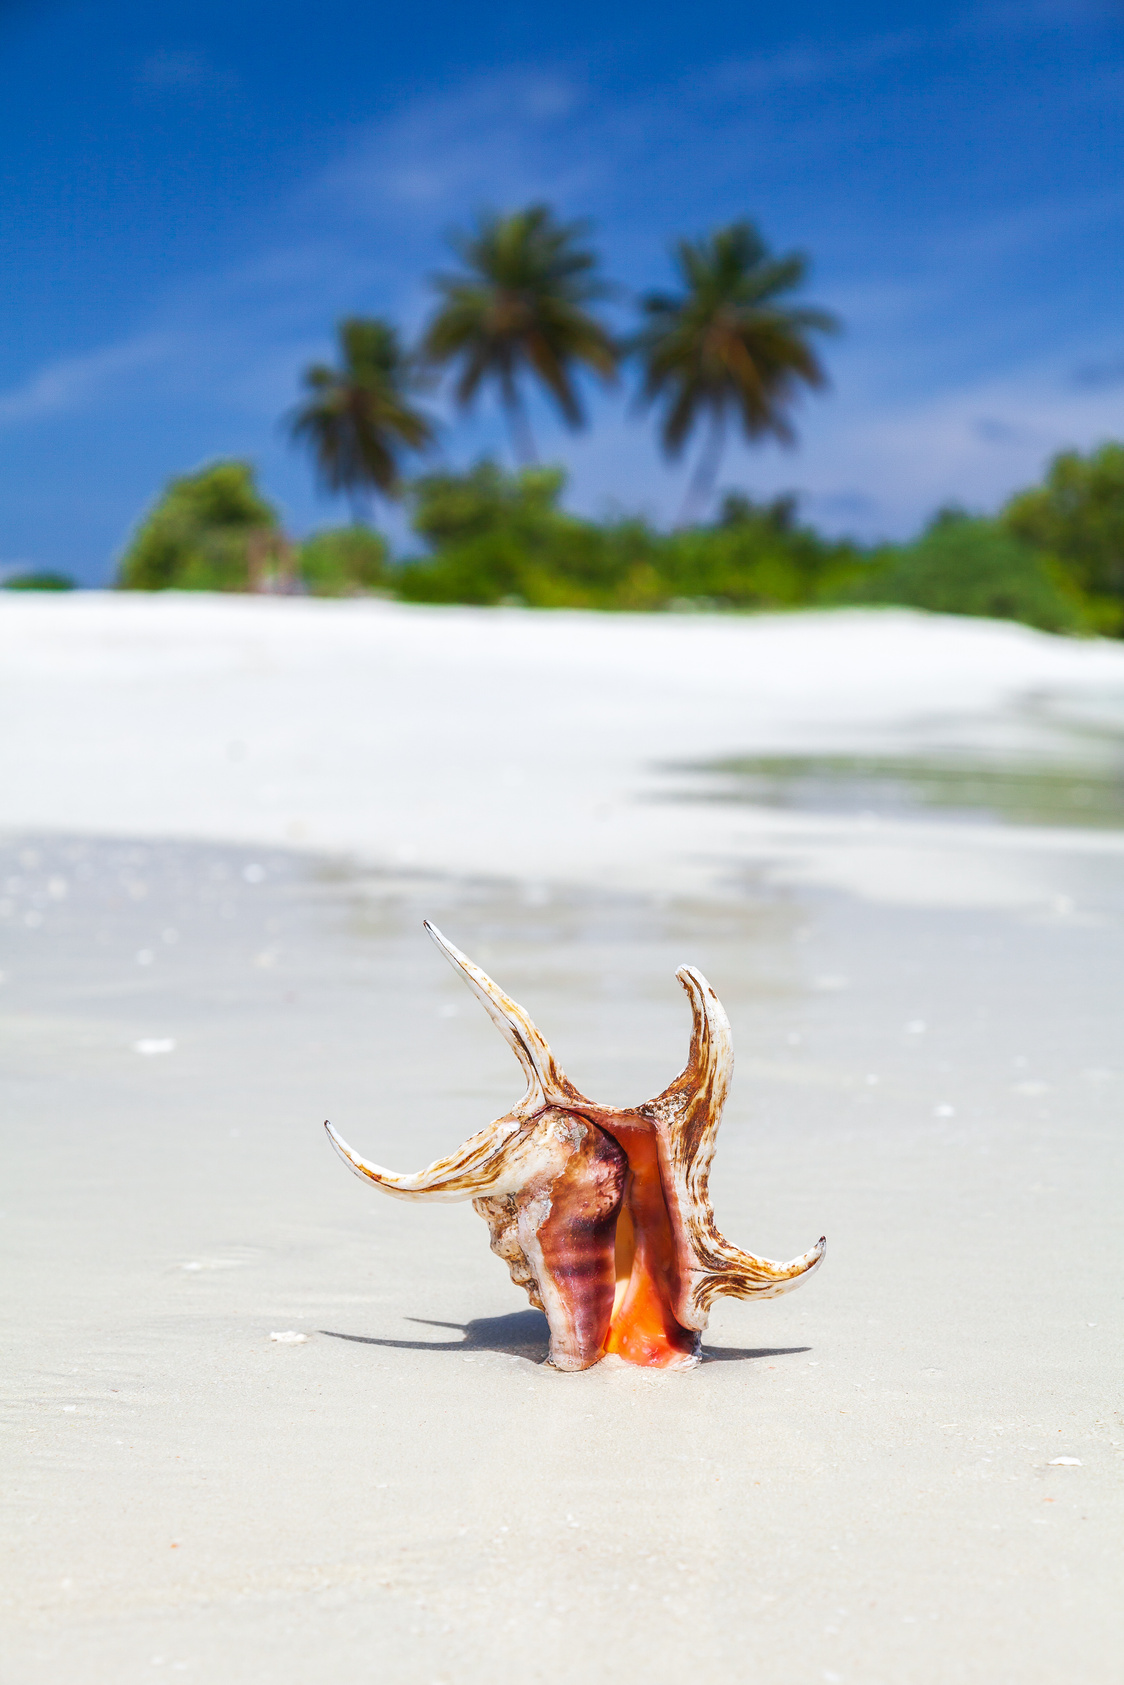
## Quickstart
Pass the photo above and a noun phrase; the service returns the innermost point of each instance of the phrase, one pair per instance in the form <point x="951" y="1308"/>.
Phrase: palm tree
<point x="357" y="418"/>
<point x="518" y="309"/>
<point x="728" y="346"/>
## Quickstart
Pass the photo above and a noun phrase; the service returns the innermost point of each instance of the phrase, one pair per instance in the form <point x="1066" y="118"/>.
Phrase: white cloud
<point x="810" y="66"/>
<point x="487" y="142"/>
<point x="871" y="466"/>
<point x="973" y="444"/>
<point x="73" y="383"/>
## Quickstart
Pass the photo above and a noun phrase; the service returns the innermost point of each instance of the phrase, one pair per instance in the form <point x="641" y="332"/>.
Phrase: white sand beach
<point x="523" y="745"/>
<point x="894" y="844"/>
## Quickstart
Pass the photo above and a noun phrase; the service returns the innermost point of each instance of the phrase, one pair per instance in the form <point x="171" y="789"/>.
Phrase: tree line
<point x="1053" y="557"/>
<point x="729" y="349"/>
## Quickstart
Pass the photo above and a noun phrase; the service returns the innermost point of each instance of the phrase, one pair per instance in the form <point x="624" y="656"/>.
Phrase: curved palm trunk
<point x="519" y="427"/>
<point x="700" y="488"/>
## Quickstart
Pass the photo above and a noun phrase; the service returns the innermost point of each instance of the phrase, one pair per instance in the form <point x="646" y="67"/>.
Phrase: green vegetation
<point x="1077" y="517"/>
<point x="501" y="538"/>
<point x="495" y="537"/>
<point x="213" y="531"/>
<point x="343" y="562"/>
<point x="1050" y="559"/>
<point x="965" y="565"/>
<point x="729" y="350"/>
<point x="204" y="534"/>
<point x="38" y="581"/>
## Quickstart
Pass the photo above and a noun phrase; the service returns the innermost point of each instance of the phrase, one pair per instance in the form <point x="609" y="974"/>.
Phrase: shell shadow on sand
<point x="527" y="1334"/>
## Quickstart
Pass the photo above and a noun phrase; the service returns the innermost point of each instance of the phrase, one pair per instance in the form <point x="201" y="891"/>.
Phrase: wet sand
<point x="861" y="1482"/>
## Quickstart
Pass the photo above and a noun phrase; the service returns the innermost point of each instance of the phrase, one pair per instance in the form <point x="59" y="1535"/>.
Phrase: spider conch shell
<point x="603" y="1214"/>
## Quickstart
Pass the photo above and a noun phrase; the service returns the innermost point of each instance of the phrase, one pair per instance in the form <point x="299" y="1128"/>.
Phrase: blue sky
<point x="194" y="193"/>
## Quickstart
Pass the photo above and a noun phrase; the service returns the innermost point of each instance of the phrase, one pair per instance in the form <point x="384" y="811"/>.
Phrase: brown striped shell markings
<point x="603" y="1214"/>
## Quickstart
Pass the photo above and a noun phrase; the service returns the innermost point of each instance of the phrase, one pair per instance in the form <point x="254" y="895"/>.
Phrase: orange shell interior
<point x="643" y="1328"/>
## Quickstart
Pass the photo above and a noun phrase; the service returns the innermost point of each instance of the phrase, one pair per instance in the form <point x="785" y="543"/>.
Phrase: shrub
<point x="1077" y="517"/>
<point x="343" y="562"/>
<point x="499" y="537"/>
<point x="450" y="507"/>
<point x="44" y="581"/>
<point x="199" y="535"/>
<point x="755" y="557"/>
<point x="966" y="565"/>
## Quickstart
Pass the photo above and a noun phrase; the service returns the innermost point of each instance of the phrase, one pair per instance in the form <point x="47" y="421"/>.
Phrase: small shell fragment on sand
<point x="289" y="1337"/>
<point x="1064" y="1463"/>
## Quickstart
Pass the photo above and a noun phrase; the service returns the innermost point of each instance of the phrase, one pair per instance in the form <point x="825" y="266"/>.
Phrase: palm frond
<point x="519" y="309"/>
<point x="729" y="340"/>
<point x="357" y="419"/>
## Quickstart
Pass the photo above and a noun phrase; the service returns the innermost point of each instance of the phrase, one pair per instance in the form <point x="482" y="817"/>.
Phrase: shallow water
<point x="903" y="786"/>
